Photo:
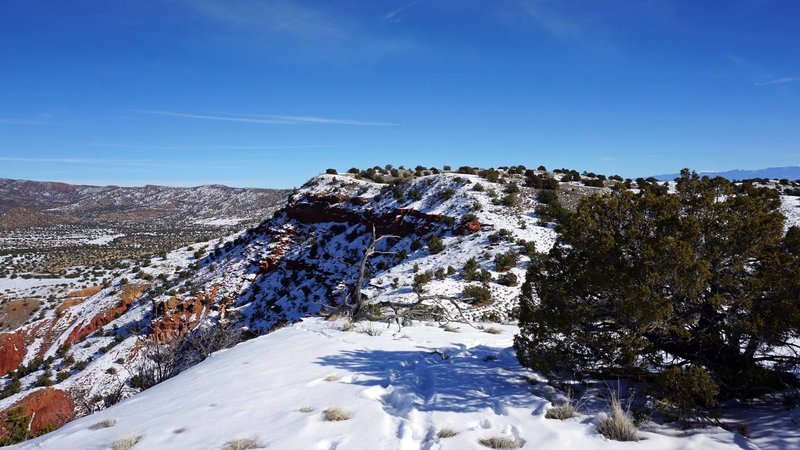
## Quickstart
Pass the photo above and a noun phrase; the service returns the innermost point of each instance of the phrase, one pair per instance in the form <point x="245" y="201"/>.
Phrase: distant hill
<point x="776" y="173"/>
<point x="23" y="202"/>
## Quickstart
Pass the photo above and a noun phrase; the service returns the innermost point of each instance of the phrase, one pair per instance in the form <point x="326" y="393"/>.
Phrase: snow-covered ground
<point x="221" y="222"/>
<point x="103" y="240"/>
<point x="39" y="287"/>
<point x="401" y="387"/>
<point x="790" y="207"/>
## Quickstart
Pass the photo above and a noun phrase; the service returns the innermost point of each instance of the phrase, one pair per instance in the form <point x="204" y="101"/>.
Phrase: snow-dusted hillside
<point x="401" y="387"/>
<point x="200" y="204"/>
<point x="299" y="263"/>
<point x="304" y="262"/>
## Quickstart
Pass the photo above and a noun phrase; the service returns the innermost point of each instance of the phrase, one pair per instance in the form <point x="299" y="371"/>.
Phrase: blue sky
<point x="271" y="92"/>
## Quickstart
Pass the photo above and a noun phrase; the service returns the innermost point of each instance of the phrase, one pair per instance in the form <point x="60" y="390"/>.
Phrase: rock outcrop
<point x="44" y="409"/>
<point x="12" y="351"/>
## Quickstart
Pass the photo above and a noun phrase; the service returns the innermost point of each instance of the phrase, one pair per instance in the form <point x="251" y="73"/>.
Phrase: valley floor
<point x="402" y="388"/>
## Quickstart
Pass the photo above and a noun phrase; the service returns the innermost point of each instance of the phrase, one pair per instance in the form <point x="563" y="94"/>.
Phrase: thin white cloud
<point x="268" y="120"/>
<point x="207" y="147"/>
<point x="275" y="16"/>
<point x="546" y="15"/>
<point x="218" y="118"/>
<point x="327" y="120"/>
<point x="777" y="81"/>
<point x="394" y="15"/>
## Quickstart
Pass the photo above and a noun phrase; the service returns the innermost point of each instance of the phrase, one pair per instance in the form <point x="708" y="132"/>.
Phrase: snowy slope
<point x="300" y="263"/>
<point x="400" y="392"/>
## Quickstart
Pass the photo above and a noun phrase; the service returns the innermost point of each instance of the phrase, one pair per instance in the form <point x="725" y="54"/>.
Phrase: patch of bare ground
<point x="14" y="313"/>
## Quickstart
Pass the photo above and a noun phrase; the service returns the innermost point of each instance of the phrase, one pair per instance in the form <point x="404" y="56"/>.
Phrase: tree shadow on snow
<point x="455" y="379"/>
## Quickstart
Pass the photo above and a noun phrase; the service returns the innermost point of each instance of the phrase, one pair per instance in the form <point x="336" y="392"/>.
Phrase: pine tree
<point x="644" y="281"/>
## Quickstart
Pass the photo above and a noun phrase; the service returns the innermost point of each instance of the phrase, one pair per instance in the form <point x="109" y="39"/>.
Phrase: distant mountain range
<point x="776" y="173"/>
<point x="48" y="203"/>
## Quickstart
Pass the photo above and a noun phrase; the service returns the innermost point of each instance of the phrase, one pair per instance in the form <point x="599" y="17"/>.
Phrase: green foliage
<point x="468" y="217"/>
<point x="511" y="199"/>
<point x="421" y="279"/>
<point x="331" y="171"/>
<point x="435" y="245"/>
<point x="546" y="197"/>
<point x="528" y="248"/>
<point x="550" y="210"/>
<point x="593" y="183"/>
<point x="490" y="175"/>
<point x="470" y="270"/>
<point x="505" y="261"/>
<point x="572" y="175"/>
<point x="45" y="379"/>
<point x="477" y="295"/>
<point x="445" y="194"/>
<point x="704" y="277"/>
<point x="686" y="389"/>
<point x="508" y="279"/>
<point x="15" y="427"/>
<point x="80" y="365"/>
<point x="484" y="276"/>
<point x="14" y="386"/>
<point x="62" y="350"/>
<point x="541" y="182"/>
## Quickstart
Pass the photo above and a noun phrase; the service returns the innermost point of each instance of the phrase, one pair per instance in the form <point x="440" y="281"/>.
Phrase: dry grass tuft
<point x="493" y="330"/>
<point x="306" y="409"/>
<point x="346" y="326"/>
<point x="108" y="423"/>
<point x="618" y="425"/>
<point x="502" y="442"/>
<point x="241" y="444"/>
<point x="336" y="414"/>
<point x="331" y="378"/>
<point x="370" y="329"/>
<point x="445" y="433"/>
<point x="563" y="410"/>
<point x="126" y="442"/>
<point x="449" y="328"/>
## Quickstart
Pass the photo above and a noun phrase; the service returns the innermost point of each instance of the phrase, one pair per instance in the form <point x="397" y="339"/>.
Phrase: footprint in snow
<point x="500" y="408"/>
<point x="326" y="445"/>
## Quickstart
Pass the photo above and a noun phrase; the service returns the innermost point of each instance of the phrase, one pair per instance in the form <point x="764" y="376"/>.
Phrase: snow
<point x="401" y="393"/>
<point x="103" y="240"/>
<point x="790" y="207"/>
<point x="402" y="387"/>
<point x="213" y="221"/>
<point x="21" y="283"/>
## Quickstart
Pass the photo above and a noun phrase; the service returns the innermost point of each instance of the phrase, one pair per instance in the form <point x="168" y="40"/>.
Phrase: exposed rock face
<point x="471" y="227"/>
<point x="47" y="407"/>
<point x="129" y="296"/>
<point x="12" y="351"/>
<point x="400" y="222"/>
<point x="178" y="316"/>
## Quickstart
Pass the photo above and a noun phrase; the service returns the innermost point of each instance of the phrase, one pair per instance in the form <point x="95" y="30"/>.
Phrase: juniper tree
<point x="639" y="283"/>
